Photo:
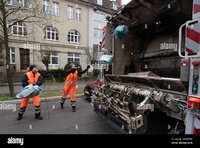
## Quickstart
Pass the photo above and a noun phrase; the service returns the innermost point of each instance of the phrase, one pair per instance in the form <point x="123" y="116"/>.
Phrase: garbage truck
<point x="155" y="45"/>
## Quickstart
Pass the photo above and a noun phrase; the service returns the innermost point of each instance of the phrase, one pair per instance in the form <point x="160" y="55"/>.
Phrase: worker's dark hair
<point x="32" y="66"/>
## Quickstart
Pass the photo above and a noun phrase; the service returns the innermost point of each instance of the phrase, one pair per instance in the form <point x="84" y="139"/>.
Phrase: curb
<point x="41" y="99"/>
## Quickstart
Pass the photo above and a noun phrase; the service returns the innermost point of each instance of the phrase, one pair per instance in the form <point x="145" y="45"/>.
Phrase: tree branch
<point x="1" y="39"/>
<point x="1" y="31"/>
<point x="21" y="20"/>
<point x="12" y="11"/>
<point x="1" y="22"/>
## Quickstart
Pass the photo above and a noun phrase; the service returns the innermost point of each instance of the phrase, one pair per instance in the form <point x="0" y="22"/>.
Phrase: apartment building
<point x="64" y="35"/>
<point x="98" y="13"/>
<point x="69" y="31"/>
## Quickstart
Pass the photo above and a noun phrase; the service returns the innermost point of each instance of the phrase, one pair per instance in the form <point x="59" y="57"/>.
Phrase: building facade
<point x="99" y="11"/>
<point x="68" y="31"/>
<point x="64" y="35"/>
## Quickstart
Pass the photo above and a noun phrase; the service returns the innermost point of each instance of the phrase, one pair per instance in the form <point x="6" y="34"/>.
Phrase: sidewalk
<point x="17" y="101"/>
<point x="45" y="86"/>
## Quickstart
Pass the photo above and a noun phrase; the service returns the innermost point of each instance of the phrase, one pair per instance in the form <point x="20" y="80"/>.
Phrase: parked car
<point x="89" y="88"/>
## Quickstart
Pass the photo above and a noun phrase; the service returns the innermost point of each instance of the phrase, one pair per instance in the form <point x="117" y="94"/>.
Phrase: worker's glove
<point x="73" y="70"/>
<point x="88" y="67"/>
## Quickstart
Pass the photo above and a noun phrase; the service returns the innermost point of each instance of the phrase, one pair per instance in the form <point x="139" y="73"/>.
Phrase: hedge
<point x="58" y="75"/>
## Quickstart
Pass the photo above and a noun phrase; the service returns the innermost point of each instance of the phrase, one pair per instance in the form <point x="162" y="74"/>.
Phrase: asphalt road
<point x="56" y="120"/>
<point x="64" y="121"/>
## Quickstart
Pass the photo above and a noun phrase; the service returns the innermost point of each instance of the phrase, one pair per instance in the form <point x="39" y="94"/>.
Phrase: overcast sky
<point x="125" y="1"/>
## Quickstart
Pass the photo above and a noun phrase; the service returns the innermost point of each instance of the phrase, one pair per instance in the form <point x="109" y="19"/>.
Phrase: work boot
<point x="62" y="101"/>
<point x="73" y="108"/>
<point x="61" y="105"/>
<point x="73" y="104"/>
<point x="19" y="117"/>
<point x="38" y="113"/>
<point x="38" y="116"/>
<point x="20" y="114"/>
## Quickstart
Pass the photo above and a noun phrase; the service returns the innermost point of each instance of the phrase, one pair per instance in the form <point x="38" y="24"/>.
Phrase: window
<point x="74" y="57"/>
<point x="51" y="33"/>
<point x="46" y="6"/>
<point x="11" y="2"/>
<point x="20" y="3"/>
<point x="54" y="58"/>
<point x="96" y="48"/>
<point x="23" y="3"/>
<point x="99" y="17"/>
<point x="97" y="33"/>
<point x="78" y="14"/>
<point x="70" y="12"/>
<point x="52" y="55"/>
<point x="18" y="28"/>
<point x="74" y="36"/>
<point x="99" y="2"/>
<point x="114" y="6"/>
<point x="96" y="51"/>
<point x="12" y="55"/>
<point x="55" y="8"/>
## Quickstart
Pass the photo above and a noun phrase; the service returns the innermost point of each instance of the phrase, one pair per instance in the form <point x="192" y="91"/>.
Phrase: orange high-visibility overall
<point x="36" y="99"/>
<point x="70" y="86"/>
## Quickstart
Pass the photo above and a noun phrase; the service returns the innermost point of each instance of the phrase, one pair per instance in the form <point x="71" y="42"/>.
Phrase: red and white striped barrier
<point x="192" y="43"/>
<point x="196" y="9"/>
<point x="192" y="33"/>
<point x="197" y="125"/>
<point x="104" y="36"/>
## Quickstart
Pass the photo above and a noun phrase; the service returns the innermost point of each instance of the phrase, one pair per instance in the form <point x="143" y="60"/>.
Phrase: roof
<point x="105" y="3"/>
<point x="106" y="6"/>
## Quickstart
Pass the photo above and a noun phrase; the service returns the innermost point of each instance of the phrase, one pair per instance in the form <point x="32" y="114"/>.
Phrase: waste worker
<point x="35" y="78"/>
<point x="71" y="79"/>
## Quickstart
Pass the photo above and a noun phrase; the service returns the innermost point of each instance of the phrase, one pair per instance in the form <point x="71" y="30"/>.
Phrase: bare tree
<point x="89" y="55"/>
<point x="44" y="55"/>
<point x="18" y="11"/>
<point x="45" y="58"/>
<point x="1" y="55"/>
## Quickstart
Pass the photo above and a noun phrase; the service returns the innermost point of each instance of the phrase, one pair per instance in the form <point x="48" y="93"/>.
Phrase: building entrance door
<point x="24" y="58"/>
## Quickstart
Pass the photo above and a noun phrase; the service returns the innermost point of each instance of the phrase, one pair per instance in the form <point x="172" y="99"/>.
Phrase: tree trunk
<point x="6" y="46"/>
<point x="47" y="66"/>
<point x="10" y="81"/>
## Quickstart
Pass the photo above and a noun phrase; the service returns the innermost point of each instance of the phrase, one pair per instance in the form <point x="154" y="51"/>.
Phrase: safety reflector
<point x="193" y="103"/>
<point x="184" y="64"/>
